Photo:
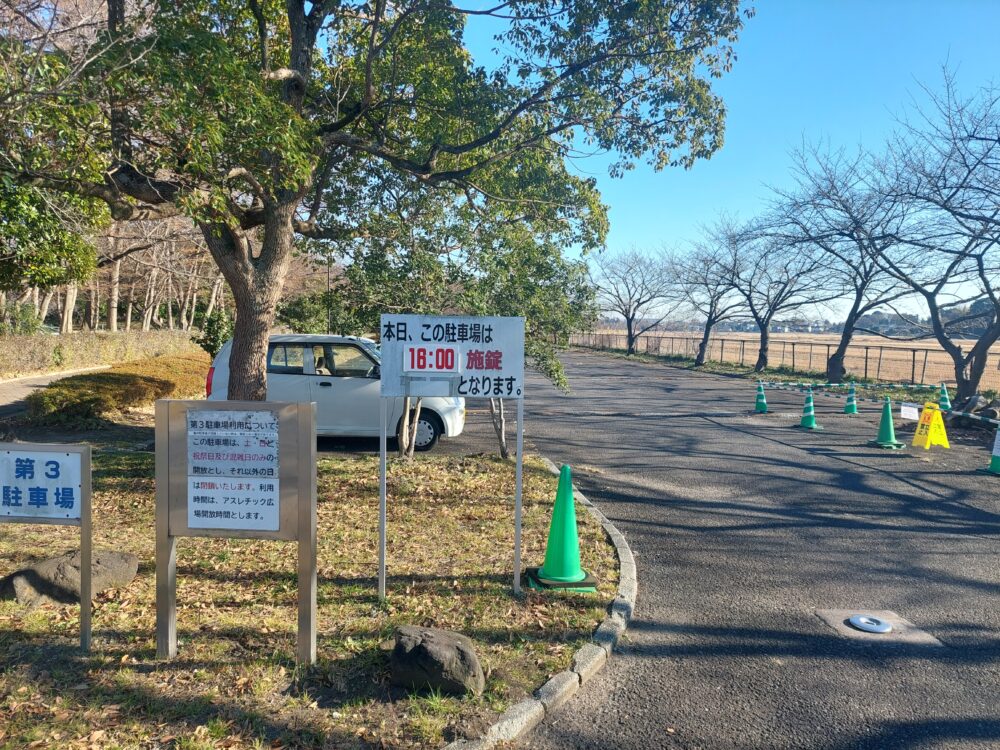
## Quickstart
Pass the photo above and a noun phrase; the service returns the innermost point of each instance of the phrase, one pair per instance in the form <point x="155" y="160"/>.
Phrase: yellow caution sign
<point x="930" y="430"/>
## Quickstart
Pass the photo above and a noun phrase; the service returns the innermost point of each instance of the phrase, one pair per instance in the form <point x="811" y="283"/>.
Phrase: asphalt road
<point x="742" y="527"/>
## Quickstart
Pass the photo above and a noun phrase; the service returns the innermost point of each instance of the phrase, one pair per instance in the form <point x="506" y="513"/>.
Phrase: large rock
<point x="58" y="578"/>
<point x="436" y="659"/>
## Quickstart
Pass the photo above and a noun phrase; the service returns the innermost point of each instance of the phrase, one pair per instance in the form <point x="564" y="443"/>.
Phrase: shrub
<point x="218" y="330"/>
<point x="26" y="355"/>
<point x="83" y="399"/>
<point x="19" y="319"/>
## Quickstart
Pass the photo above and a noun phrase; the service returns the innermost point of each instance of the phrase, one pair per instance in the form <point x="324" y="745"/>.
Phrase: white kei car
<point x="341" y="374"/>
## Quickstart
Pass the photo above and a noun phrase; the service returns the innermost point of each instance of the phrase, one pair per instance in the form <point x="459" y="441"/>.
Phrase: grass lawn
<point x="235" y="683"/>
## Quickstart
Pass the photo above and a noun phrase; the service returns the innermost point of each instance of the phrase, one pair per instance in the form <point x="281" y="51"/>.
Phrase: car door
<point x="345" y="390"/>
<point x="286" y="377"/>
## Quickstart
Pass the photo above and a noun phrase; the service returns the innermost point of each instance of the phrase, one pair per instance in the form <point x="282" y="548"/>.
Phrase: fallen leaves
<point x="234" y="685"/>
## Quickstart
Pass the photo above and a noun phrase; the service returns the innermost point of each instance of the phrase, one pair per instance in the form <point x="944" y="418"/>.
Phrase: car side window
<point x="286" y="359"/>
<point x="347" y="361"/>
<point x="321" y="362"/>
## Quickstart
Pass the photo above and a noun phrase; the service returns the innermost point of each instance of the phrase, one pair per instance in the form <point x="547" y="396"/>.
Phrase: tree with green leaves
<point x="267" y="121"/>
<point x="46" y="239"/>
<point x="526" y="276"/>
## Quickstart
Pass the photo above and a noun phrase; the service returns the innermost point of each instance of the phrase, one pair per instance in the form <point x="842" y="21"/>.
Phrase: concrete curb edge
<point x="589" y="659"/>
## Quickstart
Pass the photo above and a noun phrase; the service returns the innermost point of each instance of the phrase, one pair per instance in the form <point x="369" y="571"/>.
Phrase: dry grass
<point x="234" y="684"/>
<point x="79" y="400"/>
<point x="868" y="358"/>
<point x="28" y="355"/>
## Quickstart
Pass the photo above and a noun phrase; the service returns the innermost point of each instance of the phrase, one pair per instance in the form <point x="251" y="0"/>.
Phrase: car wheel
<point x="428" y="431"/>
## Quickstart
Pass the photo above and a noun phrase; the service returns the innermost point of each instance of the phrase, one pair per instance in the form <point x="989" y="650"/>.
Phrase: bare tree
<point x="947" y="166"/>
<point x="702" y="277"/>
<point x="773" y="278"/>
<point x="840" y="209"/>
<point x="638" y="287"/>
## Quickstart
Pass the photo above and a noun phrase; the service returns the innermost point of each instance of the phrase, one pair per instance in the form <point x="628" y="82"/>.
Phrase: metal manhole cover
<point x="870" y="624"/>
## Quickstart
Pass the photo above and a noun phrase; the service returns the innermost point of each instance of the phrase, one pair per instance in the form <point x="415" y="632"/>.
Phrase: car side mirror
<point x="376" y="373"/>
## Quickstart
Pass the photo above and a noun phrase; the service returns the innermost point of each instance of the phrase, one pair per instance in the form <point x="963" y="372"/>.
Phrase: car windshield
<point x="372" y="348"/>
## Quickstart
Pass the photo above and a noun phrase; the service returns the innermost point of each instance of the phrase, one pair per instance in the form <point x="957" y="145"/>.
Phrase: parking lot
<point x="743" y="528"/>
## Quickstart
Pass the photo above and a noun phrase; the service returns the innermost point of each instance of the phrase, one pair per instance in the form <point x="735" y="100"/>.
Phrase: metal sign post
<point x="237" y="470"/>
<point x="519" y="473"/>
<point x="51" y="484"/>
<point x="381" y="502"/>
<point x="471" y="357"/>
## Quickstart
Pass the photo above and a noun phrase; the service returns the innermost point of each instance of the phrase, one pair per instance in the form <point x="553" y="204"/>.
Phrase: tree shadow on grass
<point x="76" y="679"/>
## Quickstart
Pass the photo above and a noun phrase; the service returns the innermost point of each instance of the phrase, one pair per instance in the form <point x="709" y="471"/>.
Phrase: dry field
<point x="868" y="356"/>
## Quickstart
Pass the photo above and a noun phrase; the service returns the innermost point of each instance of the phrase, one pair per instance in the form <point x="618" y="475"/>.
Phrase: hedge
<point x="29" y="355"/>
<point x="84" y="399"/>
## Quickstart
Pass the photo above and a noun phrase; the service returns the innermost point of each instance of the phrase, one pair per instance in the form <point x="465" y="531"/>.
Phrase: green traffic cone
<point x="561" y="569"/>
<point x="851" y="407"/>
<point x="761" y="406"/>
<point x="994" y="467"/>
<point x="886" y="430"/>
<point x="943" y="401"/>
<point x="808" y="421"/>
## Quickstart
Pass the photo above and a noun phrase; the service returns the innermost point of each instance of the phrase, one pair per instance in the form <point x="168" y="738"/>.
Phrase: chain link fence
<point x="885" y="362"/>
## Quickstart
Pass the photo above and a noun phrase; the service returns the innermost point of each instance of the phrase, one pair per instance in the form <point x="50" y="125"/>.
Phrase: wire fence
<point x="887" y="363"/>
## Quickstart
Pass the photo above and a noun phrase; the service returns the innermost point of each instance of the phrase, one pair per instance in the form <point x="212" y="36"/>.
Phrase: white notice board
<point x="232" y="470"/>
<point x="40" y="485"/>
<point x="472" y="357"/>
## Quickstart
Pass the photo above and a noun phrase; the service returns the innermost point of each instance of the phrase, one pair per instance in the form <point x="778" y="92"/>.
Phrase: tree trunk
<point x="765" y="340"/>
<point x="170" y="302"/>
<point x="43" y="306"/>
<point x="835" y="370"/>
<point x="411" y="440"/>
<point x="213" y="297"/>
<point x="113" y="294"/>
<point x="630" y="336"/>
<point x="129" y="303"/>
<point x="256" y="284"/>
<point x="93" y="316"/>
<point x="69" y="306"/>
<point x="699" y="359"/>
<point x="403" y="436"/>
<point x="500" y="426"/>
<point x="186" y="303"/>
<point x="150" y="303"/>
<point x="193" y="308"/>
<point x="969" y="369"/>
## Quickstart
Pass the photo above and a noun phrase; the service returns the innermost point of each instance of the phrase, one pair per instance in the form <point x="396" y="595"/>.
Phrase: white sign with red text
<point x="471" y="357"/>
<point x="232" y="470"/>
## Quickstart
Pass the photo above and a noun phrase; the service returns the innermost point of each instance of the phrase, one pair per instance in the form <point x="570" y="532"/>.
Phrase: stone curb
<point x="522" y="717"/>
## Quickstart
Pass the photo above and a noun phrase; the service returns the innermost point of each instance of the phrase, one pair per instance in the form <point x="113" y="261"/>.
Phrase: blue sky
<point x="808" y="70"/>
